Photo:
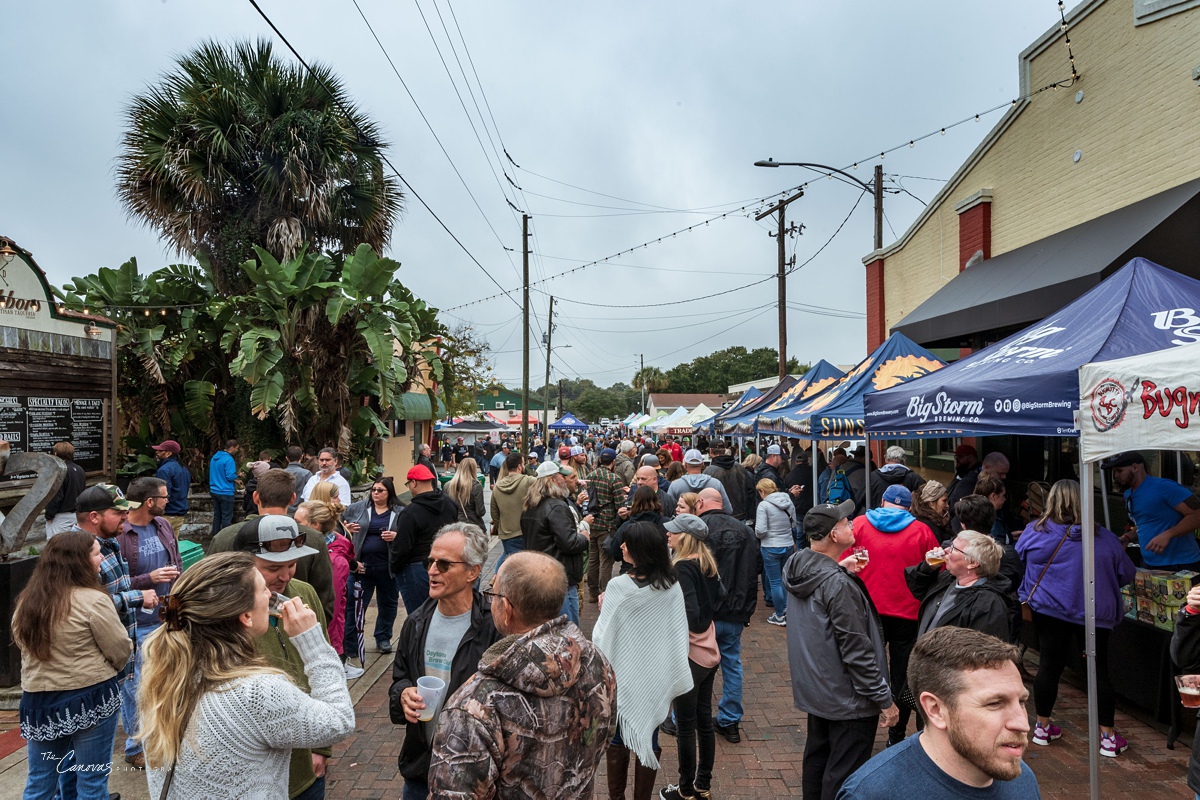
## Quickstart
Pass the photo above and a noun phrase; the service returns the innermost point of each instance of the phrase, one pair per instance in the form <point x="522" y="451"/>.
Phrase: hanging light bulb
<point x="943" y="131"/>
<point x="910" y="142"/>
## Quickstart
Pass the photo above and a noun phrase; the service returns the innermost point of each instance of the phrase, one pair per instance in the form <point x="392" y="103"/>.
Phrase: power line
<point x="383" y="156"/>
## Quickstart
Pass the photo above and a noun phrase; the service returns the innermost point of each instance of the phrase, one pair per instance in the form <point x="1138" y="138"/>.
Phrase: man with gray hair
<point x="443" y="638"/>
<point x="516" y="729"/>
<point x="893" y="472"/>
<point x="624" y="466"/>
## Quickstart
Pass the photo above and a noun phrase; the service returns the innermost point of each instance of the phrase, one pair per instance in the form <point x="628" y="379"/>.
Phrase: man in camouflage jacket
<point x="536" y="718"/>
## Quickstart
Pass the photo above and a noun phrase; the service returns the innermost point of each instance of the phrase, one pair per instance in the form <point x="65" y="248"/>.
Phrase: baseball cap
<point x="102" y="497"/>
<point x="965" y="450"/>
<point x="577" y="450"/>
<point x="820" y="519"/>
<point x="693" y="457"/>
<point x="651" y="460"/>
<point x="774" y="450"/>
<point x="550" y="468"/>
<point x="900" y="495"/>
<point x="1126" y="459"/>
<point x="419" y="473"/>
<point x="564" y="452"/>
<point x="689" y="524"/>
<point x="272" y="537"/>
<point x="608" y="455"/>
<point x="169" y="445"/>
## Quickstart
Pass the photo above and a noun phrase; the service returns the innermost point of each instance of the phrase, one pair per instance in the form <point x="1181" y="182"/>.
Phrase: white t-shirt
<point x="336" y="479"/>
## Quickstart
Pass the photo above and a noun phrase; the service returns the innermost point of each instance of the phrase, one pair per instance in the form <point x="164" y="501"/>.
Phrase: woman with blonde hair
<point x="689" y="503"/>
<point x="696" y="570"/>
<point x="774" y="522"/>
<point x="467" y="493"/>
<point x="319" y="516"/>
<point x="751" y="462"/>
<point x="217" y="720"/>
<point x="550" y="526"/>
<point x="931" y="505"/>
<point x="325" y="492"/>
<point x="1052" y="549"/>
<point x="73" y="649"/>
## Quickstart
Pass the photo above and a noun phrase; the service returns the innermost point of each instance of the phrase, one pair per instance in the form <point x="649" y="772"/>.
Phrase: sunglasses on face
<point x="443" y="564"/>
<point x="282" y="545"/>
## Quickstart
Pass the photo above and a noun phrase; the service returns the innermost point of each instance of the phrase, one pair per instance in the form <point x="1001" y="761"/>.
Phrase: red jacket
<point x="889" y="552"/>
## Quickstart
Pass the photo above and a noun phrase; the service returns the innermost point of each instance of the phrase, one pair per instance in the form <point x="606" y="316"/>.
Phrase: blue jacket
<point x="179" y="483"/>
<point x="222" y="472"/>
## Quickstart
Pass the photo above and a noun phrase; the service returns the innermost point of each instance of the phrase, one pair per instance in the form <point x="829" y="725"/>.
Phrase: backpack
<point x="839" y="485"/>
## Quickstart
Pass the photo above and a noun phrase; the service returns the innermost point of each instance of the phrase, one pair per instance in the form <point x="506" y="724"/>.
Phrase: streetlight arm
<point x="867" y="187"/>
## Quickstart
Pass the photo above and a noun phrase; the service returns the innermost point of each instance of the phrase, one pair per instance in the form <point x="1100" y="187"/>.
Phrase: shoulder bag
<point x="1026" y="609"/>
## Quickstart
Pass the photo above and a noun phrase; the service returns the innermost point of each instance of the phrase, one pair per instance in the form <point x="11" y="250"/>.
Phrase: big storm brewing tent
<point x="816" y="380"/>
<point x="748" y="396"/>
<point x="743" y="423"/>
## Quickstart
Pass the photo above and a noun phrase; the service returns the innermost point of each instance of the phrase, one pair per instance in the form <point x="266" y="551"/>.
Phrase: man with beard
<point x="1165" y="513"/>
<point x="966" y="472"/>
<point x="969" y="693"/>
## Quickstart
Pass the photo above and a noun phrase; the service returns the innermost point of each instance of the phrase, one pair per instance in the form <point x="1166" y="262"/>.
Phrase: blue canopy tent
<point x="1028" y="384"/>
<point x="742" y="424"/>
<point x="816" y="380"/>
<point x="568" y="422"/>
<point x="709" y="425"/>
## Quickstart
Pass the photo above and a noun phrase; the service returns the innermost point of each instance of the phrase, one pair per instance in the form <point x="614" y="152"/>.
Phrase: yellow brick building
<point x="1115" y="140"/>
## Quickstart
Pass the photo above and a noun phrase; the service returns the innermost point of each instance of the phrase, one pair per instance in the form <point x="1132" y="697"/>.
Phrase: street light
<point x="875" y="187"/>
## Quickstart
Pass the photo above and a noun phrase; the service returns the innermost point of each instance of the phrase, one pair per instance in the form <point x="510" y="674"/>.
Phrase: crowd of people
<point x="230" y="679"/>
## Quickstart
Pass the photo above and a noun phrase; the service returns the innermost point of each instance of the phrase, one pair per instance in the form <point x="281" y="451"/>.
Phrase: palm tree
<point x="237" y="148"/>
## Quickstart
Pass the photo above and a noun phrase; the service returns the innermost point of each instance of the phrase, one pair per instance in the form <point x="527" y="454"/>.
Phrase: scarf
<point x="643" y="632"/>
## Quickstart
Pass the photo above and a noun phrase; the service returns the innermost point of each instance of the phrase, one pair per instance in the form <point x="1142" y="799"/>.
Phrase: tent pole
<point x="1104" y="497"/>
<point x="816" y="478"/>
<point x="1179" y="467"/>
<point x="867" y="468"/>
<point x="1089" y="602"/>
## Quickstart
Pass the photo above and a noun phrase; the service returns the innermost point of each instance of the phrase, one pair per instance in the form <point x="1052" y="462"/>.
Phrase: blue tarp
<point x="568" y="422"/>
<point x="742" y="424"/>
<point x="816" y="380"/>
<point x="1029" y="383"/>
<point x="747" y="397"/>
<point x="837" y="412"/>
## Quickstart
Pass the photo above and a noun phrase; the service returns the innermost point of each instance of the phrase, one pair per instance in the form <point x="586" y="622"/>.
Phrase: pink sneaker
<point x="1045" y="734"/>
<point x="1112" y="745"/>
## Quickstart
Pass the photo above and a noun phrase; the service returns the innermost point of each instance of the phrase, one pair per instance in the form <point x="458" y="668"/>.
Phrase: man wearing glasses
<point x="444" y="638"/>
<point x="148" y="545"/>
<point x="277" y="544"/>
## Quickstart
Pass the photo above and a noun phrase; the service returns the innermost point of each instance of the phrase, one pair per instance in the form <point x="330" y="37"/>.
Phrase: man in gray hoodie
<point x="835" y="651"/>
<point x="694" y="480"/>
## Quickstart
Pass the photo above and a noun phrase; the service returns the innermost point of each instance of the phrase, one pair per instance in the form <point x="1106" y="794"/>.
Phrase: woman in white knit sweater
<point x="643" y="632"/>
<point x="217" y="720"/>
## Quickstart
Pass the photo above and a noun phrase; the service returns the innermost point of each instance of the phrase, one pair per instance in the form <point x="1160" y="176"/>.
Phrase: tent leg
<point x="1089" y="602"/>
<point x="1178" y="467"/>
<point x="1104" y="497"/>
<point x="867" y="467"/>
<point x="816" y="477"/>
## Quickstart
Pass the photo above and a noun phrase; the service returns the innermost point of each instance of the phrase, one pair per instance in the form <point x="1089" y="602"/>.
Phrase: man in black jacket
<point x="444" y="638"/>
<point x="415" y="529"/>
<point x="893" y="472"/>
<point x="60" y="511"/>
<point x="738" y="483"/>
<point x="739" y="563"/>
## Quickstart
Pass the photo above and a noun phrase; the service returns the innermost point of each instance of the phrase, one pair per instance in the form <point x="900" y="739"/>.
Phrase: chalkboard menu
<point x="37" y="423"/>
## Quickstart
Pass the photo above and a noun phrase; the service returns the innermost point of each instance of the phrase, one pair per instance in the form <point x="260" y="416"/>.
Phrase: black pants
<point x="833" y="751"/>
<point x="899" y="635"/>
<point x="1056" y="639"/>
<point x="694" y="720"/>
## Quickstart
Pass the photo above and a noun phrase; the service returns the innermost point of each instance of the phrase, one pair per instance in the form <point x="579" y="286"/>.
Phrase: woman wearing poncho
<point x="643" y="632"/>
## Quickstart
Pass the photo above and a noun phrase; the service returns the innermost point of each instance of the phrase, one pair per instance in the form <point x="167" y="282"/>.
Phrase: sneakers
<point x="673" y="792"/>
<point x="729" y="732"/>
<point x="703" y="794"/>
<point x="353" y="672"/>
<point x="1045" y="734"/>
<point x="383" y="646"/>
<point x="777" y="619"/>
<point x="1112" y="745"/>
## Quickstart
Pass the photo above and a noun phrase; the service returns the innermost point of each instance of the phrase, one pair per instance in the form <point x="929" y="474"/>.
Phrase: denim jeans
<point x="315" y="791"/>
<point x="413" y="582"/>
<point x="570" y="605"/>
<point x="509" y="546"/>
<point x="773" y="560"/>
<point x="729" y="642"/>
<point x="415" y="790"/>
<point x="376" y="580"/>
<point x="50" y="773"/>
<point x="129" y="713"/>
<point x="222" y="512"/>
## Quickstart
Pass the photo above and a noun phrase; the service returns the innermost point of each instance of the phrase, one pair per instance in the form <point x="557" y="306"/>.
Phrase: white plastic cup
<point x="431" y="691"/>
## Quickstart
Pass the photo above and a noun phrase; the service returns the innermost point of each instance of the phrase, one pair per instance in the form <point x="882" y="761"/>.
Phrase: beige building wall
<point x="1137" y="127"/>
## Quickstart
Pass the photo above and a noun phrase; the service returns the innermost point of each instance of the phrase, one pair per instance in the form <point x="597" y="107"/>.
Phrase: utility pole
<point x="546" y="400"/>
<point x="877" y="186"/>
<point x="781" y="273"/>
<point x="642" y="373"/>
<point x="525" y="443"/>
<point x="560" y="405"/>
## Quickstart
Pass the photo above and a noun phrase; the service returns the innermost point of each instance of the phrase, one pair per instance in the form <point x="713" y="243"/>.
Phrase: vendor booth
<point x="568" y="422"/>
<point x="713" y="424"/>
<point x="816" y="380"/>
<point x="742" y="424"/>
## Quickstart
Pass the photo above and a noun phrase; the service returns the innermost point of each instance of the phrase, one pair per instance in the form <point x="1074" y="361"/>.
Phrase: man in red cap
<point x="178" y="480"/>
<point x="415" y="530"/>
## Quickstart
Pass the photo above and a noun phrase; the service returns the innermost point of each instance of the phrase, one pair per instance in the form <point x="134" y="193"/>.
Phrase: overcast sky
<point x="665" y="105"/>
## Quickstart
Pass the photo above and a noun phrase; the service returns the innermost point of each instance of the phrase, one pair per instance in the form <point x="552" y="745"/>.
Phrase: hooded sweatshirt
<point x="1060" y="593"/>
<point x="835" y="649"/>
<point x="774" y="520"/>
<point x="738" y="483"/>
<point x="694" y="483"/>
<point x="894" y="540"/>
<point x="508" y="500"/>
<point x="538" y="714"/>
<point x="417" y="526"/>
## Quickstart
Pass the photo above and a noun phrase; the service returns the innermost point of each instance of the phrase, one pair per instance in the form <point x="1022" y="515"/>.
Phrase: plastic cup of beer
<point x="275" y="605"/>
<point x="431" y="691"/>
<point x="935" y="557"/>
<point x="860" y="554"/>
<point x="1189" y="690"/>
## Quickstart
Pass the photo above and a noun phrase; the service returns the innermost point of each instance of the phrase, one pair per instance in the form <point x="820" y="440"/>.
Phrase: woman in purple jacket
<point x="1052" y="548"/>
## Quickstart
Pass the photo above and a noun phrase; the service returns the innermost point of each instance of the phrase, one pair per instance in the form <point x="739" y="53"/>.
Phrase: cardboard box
<point x="1145" y="610"/>
<point x="1159" y="582"/>
<point x="1164" y="616"/>
<point x="1129" y="603"/>
<point x="1180" y="584"/>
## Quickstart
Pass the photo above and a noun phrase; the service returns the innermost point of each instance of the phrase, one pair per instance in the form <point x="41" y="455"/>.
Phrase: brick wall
<point x="876" y="313"/>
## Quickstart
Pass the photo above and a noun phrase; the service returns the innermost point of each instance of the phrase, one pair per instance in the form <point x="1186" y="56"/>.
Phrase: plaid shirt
<point x="114" y="574"/>
<point x="604" y="487"/>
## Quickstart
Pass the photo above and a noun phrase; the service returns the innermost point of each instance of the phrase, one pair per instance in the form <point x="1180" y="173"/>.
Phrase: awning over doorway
<point x="1031" y="282"/>
<point x="416" y="406"/>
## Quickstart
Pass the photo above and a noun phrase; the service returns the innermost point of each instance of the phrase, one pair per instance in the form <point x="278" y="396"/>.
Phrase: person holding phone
<point x="372" y="525"/>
